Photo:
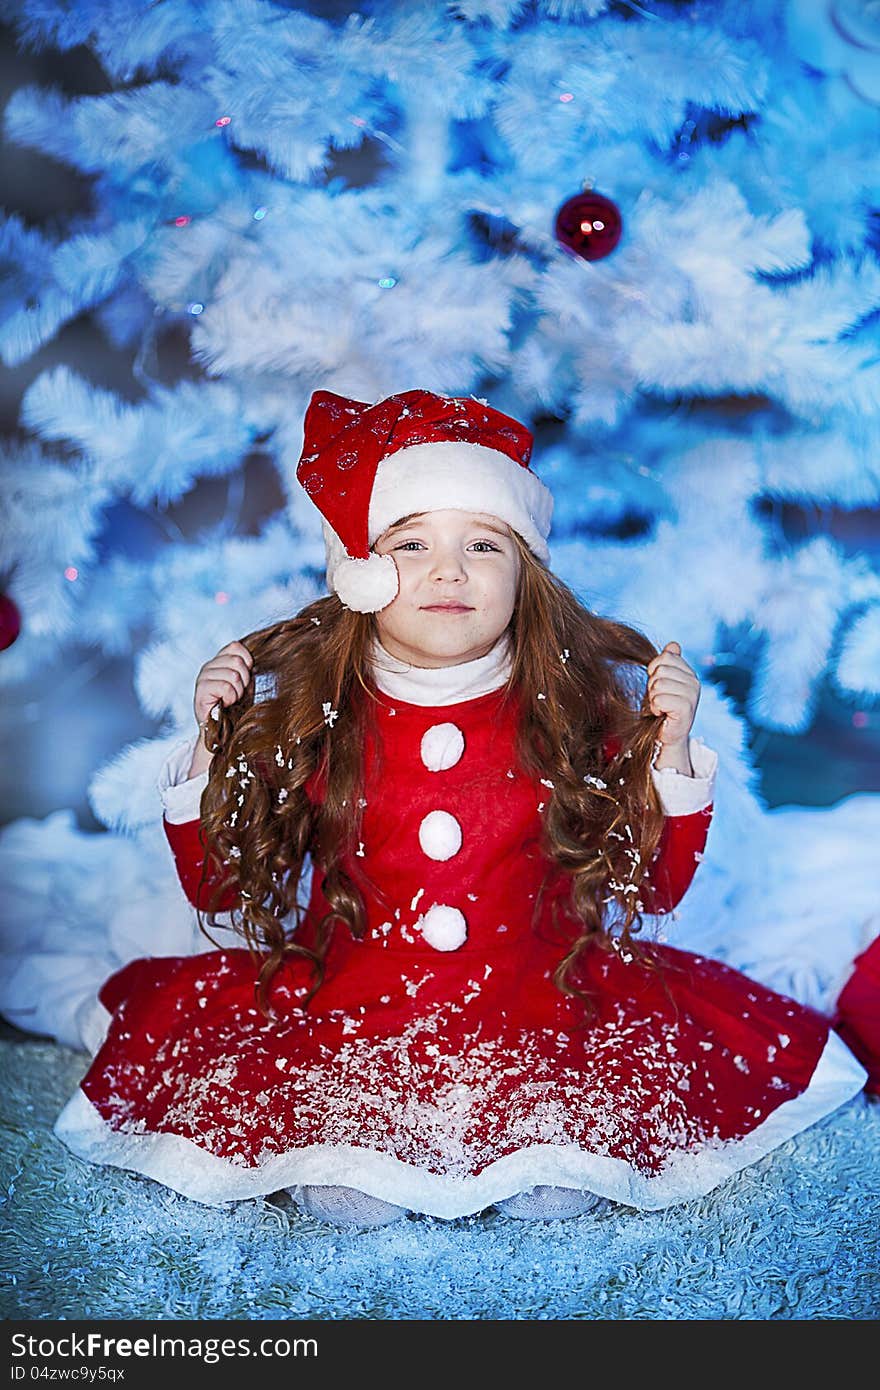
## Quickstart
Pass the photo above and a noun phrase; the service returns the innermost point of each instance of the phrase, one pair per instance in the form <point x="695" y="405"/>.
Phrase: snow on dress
<point x="438" y="1067"/>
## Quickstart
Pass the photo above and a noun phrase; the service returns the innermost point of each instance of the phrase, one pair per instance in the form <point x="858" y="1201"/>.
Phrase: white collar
<point x="441" y="685"/>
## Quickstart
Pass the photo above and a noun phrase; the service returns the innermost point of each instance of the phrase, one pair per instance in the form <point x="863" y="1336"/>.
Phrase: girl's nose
<point x="448" y="565"/>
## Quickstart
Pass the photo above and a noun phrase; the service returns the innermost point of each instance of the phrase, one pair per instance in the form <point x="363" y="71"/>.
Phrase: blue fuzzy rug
<point x="796" y="1236"/>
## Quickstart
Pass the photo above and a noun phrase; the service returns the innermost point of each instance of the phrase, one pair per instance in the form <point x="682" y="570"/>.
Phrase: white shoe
<point x="550" y="1203"/>
<point x="345" y="1206"/>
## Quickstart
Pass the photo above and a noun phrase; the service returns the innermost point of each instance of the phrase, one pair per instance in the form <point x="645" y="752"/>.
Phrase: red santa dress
<point x="438" y="1067"/>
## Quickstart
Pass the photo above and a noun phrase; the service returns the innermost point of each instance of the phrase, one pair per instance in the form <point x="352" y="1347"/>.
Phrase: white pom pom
<point x="366" y="585"/>
<point x="440" y="835"/>
<point x="443" y="927"/>
<point x="442" y="746"/>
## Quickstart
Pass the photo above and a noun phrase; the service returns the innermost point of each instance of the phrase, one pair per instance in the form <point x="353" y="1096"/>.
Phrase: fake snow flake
<point x="541" y="695"/>
<point x="596" y="782"/>
<point x="440" y="835"/>
<point x="330" y="714"/>
<point x="282" y="796"/>
<point x="472" y="897"/>
<point x="443" y="927"/>
<point x="784" y="1040"/>
<point x="698" y="856"/>
<point x="360" y="850"/>
<point x="546" y="783"/>
<point x="235" y="852"/>
<point x="279" y="756"/>
<point x="740" y="1063"/>
<point x="231" y="773"/>
<point x="316" y="621"/>
<point x="281" y="1063"/>
<point x="415" y="902"/>
<point x="441" y="747"/>
<point x="564" y="655"/>
<point x="510" y="773"/>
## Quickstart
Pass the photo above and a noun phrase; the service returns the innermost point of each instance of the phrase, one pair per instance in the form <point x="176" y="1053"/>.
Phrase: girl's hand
<point x="222" y="681"/>
<point x="673" y="690"/>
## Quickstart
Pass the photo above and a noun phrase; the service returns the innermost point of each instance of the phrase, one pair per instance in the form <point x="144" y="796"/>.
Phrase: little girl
<point x="464" y="1013"/>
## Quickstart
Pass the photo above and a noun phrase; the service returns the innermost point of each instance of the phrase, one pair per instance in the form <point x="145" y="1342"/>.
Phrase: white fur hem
<point x="180" y="1164"/>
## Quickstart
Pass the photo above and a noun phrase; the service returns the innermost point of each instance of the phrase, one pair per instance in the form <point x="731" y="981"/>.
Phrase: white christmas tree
<point x="737" y="143"/>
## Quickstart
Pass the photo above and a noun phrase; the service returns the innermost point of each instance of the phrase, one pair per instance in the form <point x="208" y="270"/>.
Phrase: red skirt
<point x="444" y="1082"/>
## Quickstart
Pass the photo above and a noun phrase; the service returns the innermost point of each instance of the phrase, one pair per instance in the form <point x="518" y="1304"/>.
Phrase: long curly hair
<point x="602" y="821"/>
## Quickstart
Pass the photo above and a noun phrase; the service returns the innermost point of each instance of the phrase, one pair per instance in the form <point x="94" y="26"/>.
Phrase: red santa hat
<point x="365" y="466"/>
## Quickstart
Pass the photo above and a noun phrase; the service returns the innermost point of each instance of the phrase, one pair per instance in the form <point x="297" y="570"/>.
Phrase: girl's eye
<point x="404" y="544"/>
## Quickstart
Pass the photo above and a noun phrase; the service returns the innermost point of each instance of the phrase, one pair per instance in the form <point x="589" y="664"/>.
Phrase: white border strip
<point x="186" y="1168"/>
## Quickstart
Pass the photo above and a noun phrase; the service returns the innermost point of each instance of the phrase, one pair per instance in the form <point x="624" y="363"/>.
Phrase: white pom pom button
<point x="443" y="927"/>
<point x="442" y="746"/>
<point x="440" y="835"/>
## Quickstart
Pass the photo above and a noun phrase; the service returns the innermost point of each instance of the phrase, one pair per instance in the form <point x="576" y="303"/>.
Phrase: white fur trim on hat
<point x="468" y="477"/>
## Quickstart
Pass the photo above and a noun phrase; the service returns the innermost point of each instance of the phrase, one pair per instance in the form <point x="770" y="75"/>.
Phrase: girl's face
<point x="458" y="577"/>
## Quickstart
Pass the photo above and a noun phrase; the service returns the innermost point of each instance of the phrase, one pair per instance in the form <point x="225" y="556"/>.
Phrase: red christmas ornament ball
<point x="589" y="225"/>
<point x="10" y="622"/>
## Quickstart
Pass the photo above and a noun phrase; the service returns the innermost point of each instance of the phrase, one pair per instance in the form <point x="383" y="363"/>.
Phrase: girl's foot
<point x="549" y="1203"/>
<point x="345" y="1206"/>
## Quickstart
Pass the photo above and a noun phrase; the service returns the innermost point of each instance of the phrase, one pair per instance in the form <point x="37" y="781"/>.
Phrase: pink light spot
<point x="221" y="596"/>
<point x="223" y="120"/>
<point x="567" y="96"/>
<point x="859" y="719"/>
<point x="71" y="573"/>
<point x="182" y="221"/>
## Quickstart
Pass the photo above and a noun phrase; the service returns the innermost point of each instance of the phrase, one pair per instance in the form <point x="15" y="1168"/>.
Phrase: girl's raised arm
<point x="221" y="681"/>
